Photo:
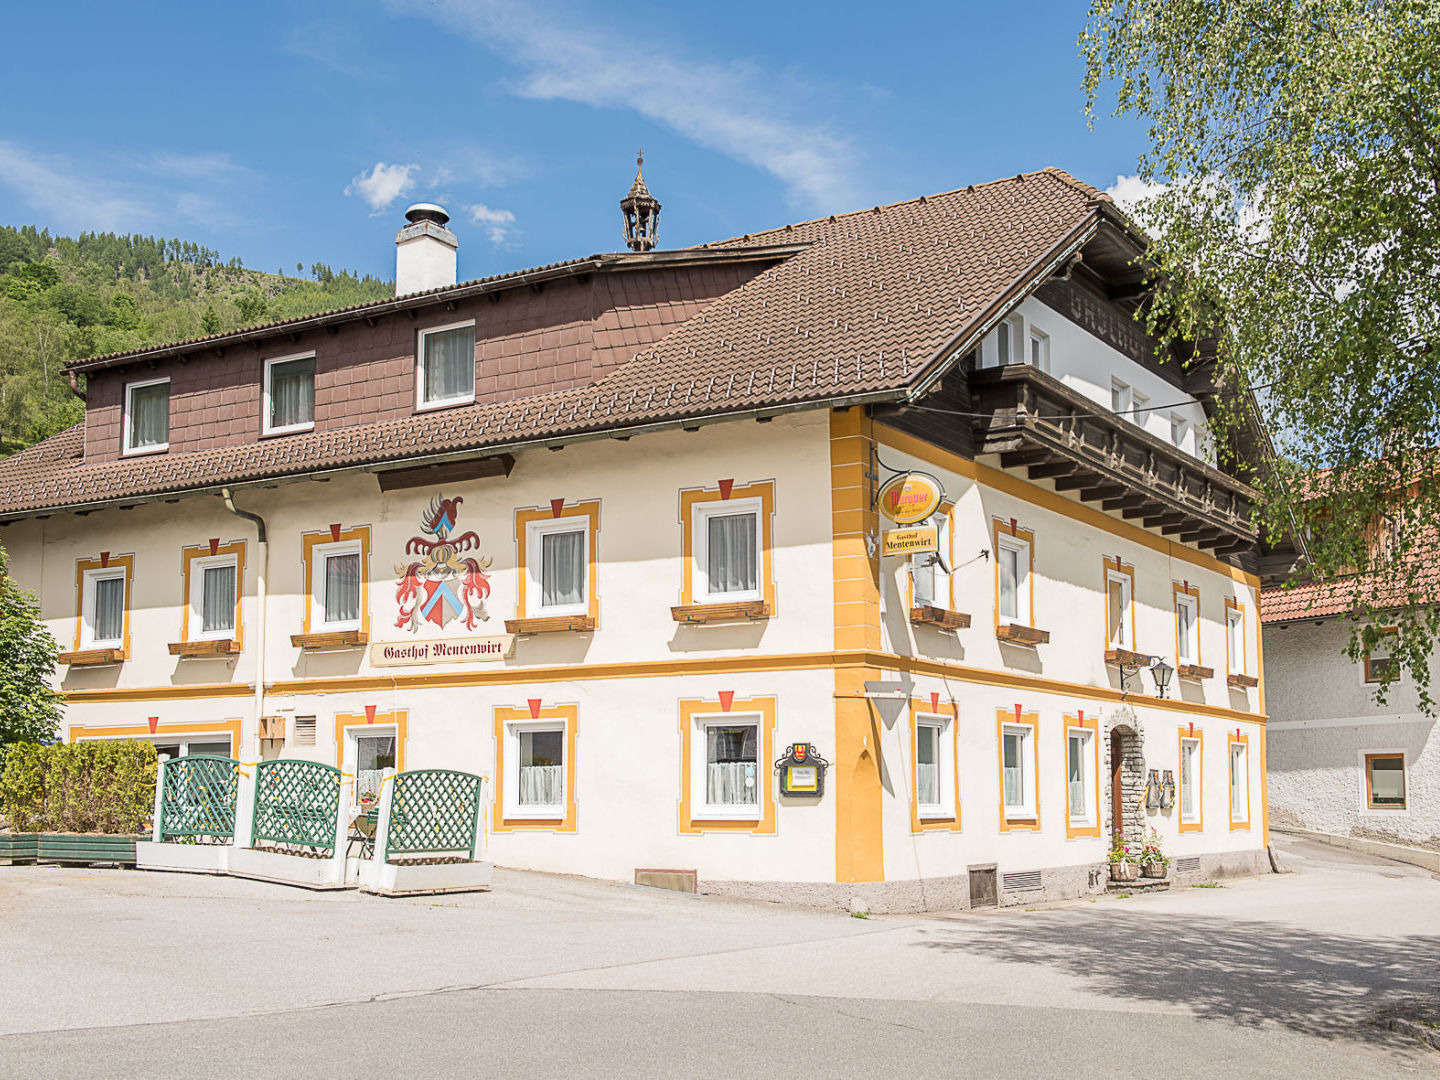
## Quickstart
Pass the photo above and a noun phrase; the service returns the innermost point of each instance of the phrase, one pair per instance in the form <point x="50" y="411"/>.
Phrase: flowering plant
<point x="1122" y="851"/>
<point x="1152" y="852"/>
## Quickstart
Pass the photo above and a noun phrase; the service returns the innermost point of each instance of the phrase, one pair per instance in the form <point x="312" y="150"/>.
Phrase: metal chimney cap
<point x="427" y="211"/>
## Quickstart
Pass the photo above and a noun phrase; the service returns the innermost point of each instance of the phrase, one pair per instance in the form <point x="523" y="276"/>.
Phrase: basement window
<point x="147" y="416"/>
<point x="445" y="373"/>
<point x="1385" y="781"/>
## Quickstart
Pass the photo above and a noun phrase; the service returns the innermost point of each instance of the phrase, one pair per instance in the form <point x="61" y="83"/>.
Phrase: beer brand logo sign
<point x="910" y="497"/>
<point x="445" y="584"/>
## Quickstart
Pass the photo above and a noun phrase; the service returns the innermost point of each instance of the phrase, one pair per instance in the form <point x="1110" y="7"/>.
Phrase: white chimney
<point x="424" y="251"/>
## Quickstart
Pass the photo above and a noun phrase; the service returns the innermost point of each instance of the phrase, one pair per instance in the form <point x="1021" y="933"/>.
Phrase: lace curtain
<point x="542" y="768"/>
<point x="217" y="605"/>
<point x="450" y="364"/>
<point x="731" y="766"/>
<point x="922" y="575"/>
<point x="927" y="763"/>
<point x="731" y="553"/>
<point x="1009" y="583"/>
<point x="1076" y="777"/>
<point x="1014" y="771"/>
<point x="109" y="608"/>
<point x="342" y="588"/>
<point x="562" y="569"/>
<point x="150" y="416"/>
<point x="292" y="393"/>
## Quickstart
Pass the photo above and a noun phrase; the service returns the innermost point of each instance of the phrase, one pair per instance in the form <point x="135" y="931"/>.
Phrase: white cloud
<point x="198" y="166"/>
<point x="499" y="222"/>
<point x="737" y="109"/>
<point x="1131" y="194"/>
<point x="383" y="184"/>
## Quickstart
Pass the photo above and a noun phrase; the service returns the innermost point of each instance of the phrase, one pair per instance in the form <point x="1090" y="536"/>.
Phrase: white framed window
<point x="1118" y="618"/>
<point x="337" y="579"/>
<point x="213" y="585"/>
<point x="1017" y="770"/>
<point x="1180" y="432"/>
<point x="1080" y="774"/>
<point x="1189" y="781"/>
<point x="445" y="366"/>
<point x="1012" y="557"/>
<point x="1239" y="782"/>
<point x="727" y="551"/>
<point x="102" y="609"/>
<point x="374" y="752"/>
<point x="535" y="764"/>
<point x="934" y="766"/>
<point x="930" y="585"/>
<point x="1187" y="628"/>
<point x="147" y="416"/>
<point x="1120" y="399"/>
<point x="1235" y="640"/>
<point x="725" y="773"/>
<point x="289" y="395"/>
<point x="559" y="565"/>
<point x="1009" y="341"/>
<point x="1039" y="352"/>
<point x="1138" y="404"/>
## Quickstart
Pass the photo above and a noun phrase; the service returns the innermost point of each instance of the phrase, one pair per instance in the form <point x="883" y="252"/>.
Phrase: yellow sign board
<point x="910" y="497"/>
<point x="911" y="541"/>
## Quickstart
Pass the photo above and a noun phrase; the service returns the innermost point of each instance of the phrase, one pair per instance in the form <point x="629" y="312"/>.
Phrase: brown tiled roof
<point x="1339" y="596"/>
<point x="872" y="302"/>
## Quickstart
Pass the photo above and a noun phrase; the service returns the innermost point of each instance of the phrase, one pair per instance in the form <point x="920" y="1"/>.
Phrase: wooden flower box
<point x="335" y="639"/>
<point x="92" y="657"/>
<point x="715" y="613"/>
<point x="1124" y="658"/>
<point x="553" y="624"/>
<point x="1243" y="682"/>
<point x="198" y="649"/>
<point x="1016" y="634"/>
<point x="1194" y="671"/>
<point x="930" y="615"/>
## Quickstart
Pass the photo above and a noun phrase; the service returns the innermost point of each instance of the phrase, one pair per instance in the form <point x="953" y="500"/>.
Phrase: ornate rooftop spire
<point x="641" y="211"/>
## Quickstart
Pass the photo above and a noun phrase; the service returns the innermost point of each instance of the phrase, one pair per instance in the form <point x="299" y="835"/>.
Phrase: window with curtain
<point x="562" y="569"/>
<point x="109" y="608"/>
<point x="731" y="563"/>
<point x="1016" y="783"/>
<point x="1186" y="629"/>
<point x="217" y="599"/>
<point x="342" y="588"/>
<point x="447" y="365"/>
<point x="1117" y="590"/>
<point x="541" y="768"/>
<point x="927" y="766"/>
<point x="922" y="576"/>
<point x="1009" y="573"/>
<point x="373" y="755"/>
<point x="1235" y="635"/>
<point x="1385" y="781"/>
<point x="148" y="416"/>
<point x="1239" y="783"/>
<point x="1076" y="770"/>
<point x="1189" y="780"/>
<point x="732" y="765"/>
<point x="292" y="393"/>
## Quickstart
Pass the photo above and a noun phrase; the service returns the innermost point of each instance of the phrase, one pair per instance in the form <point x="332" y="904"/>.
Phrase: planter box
<point x="85" y="848"/>
<point x="183" y="858"/>
<point x="1153" y="870"/>
<point x="286" y="869"/>
<point x="1124" y="871"/>
<point x="401" y="879"/>
<point x="18" y="848"/>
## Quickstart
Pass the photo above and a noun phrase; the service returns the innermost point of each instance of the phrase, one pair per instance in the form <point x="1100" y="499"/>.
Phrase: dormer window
<point x="445" y="371"/>
<point x="147" y="416"/>
<point x="289" y="394"/>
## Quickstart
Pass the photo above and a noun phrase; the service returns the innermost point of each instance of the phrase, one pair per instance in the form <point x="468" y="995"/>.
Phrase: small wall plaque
<point x="802" y="771"/>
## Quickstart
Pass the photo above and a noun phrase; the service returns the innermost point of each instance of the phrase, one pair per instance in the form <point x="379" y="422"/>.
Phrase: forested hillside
<point x="64" y="298"/>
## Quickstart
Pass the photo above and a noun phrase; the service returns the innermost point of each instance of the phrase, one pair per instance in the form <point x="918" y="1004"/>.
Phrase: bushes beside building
<point x="106" y="786"/>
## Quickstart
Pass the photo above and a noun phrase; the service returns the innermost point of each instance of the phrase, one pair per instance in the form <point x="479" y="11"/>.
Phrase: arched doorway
<point x="1127" y="784"/>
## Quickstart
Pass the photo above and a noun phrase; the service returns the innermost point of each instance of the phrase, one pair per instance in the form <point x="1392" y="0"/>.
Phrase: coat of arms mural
<point x="443" y="585"/>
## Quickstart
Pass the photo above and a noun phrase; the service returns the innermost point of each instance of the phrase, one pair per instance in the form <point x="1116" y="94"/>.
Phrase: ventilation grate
<point x="1025" y="879"/>
<point x="1187" y="866"/>
<point x="304" y="731"/>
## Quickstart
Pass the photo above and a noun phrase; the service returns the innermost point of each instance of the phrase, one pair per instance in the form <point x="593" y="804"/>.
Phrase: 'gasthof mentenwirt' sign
<point x="441" y="651"/>
<point x="442" y="585"/>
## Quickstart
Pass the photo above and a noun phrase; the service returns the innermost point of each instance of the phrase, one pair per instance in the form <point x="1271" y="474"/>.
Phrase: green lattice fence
<point x="198" y="797"/>
<point x="433" y="810"/>
<point x="296" y="803"/>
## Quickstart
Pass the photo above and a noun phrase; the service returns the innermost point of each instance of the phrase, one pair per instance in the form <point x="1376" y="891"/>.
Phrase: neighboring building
<point x="1340" y="763"/>
<point x="606" y="531"/>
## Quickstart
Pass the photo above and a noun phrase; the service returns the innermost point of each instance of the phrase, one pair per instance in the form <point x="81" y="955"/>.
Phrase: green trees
<point x="1295" y="171"/>
<point x="29" y="708"/>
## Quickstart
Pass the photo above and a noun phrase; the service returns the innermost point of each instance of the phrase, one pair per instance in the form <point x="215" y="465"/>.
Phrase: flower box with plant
<point x="1124" y="859"/>
<point x="1153" y="860"/>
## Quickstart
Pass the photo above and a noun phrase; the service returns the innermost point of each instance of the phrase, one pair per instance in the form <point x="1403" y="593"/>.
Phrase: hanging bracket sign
<point x="911" y="541"/>
<point x="910" y="497"/>
<point x="802" y="771"/>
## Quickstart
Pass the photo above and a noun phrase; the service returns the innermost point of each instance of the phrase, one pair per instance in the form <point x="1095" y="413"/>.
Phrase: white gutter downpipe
<point x="262" y="567"/>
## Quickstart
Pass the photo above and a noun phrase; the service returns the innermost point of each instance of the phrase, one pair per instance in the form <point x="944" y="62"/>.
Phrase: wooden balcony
<point x="1036" y="423"/>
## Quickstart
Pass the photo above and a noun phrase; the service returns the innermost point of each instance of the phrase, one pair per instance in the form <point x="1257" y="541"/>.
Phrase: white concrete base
<point x="287" y="869"/>
<point x="1423" y="857"/>
<point x="182" y="858"/>
<point x="399" y="879"/>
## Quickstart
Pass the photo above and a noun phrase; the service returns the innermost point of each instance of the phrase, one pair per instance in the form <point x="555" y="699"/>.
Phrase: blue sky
<point x="298" y="132"/>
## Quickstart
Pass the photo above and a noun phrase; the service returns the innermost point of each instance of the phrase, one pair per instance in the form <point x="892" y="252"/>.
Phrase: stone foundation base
<point x="1014" y="887"/>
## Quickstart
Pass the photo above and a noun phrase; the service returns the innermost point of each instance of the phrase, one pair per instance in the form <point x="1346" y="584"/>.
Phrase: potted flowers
<point x="1124" y="861"/>
<point x="1153" y="860"/>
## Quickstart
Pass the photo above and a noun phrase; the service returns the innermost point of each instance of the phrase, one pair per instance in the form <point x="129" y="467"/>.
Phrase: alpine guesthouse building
<point x="877" y="558"/>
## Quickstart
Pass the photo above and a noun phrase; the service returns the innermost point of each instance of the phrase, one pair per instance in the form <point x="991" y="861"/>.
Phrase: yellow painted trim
<point x="1231" y="741"/>
<point x="142" y="731"/>
<point x="188" y="692"/>
<point x="1092" y="725"/>
<point x="1199" y="738"/>
<point x="397" y="719"/>
<point x="310" y="541"/>
<point x="523" y="518"/>
<point x="569" y="715"/>
<point x="126" y="562"/>
<point x="763" y="490"/>
<point x="1001" y="528"/>
<point x="1127" y="570"/>
<point x="1177" y="590"/>
<point x="764" y="825"/>
<point x="1056" y="503"/>
<point x="1032" y="721"/>
<point x="202" y="551"/>
<point x="946" y="710"/>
